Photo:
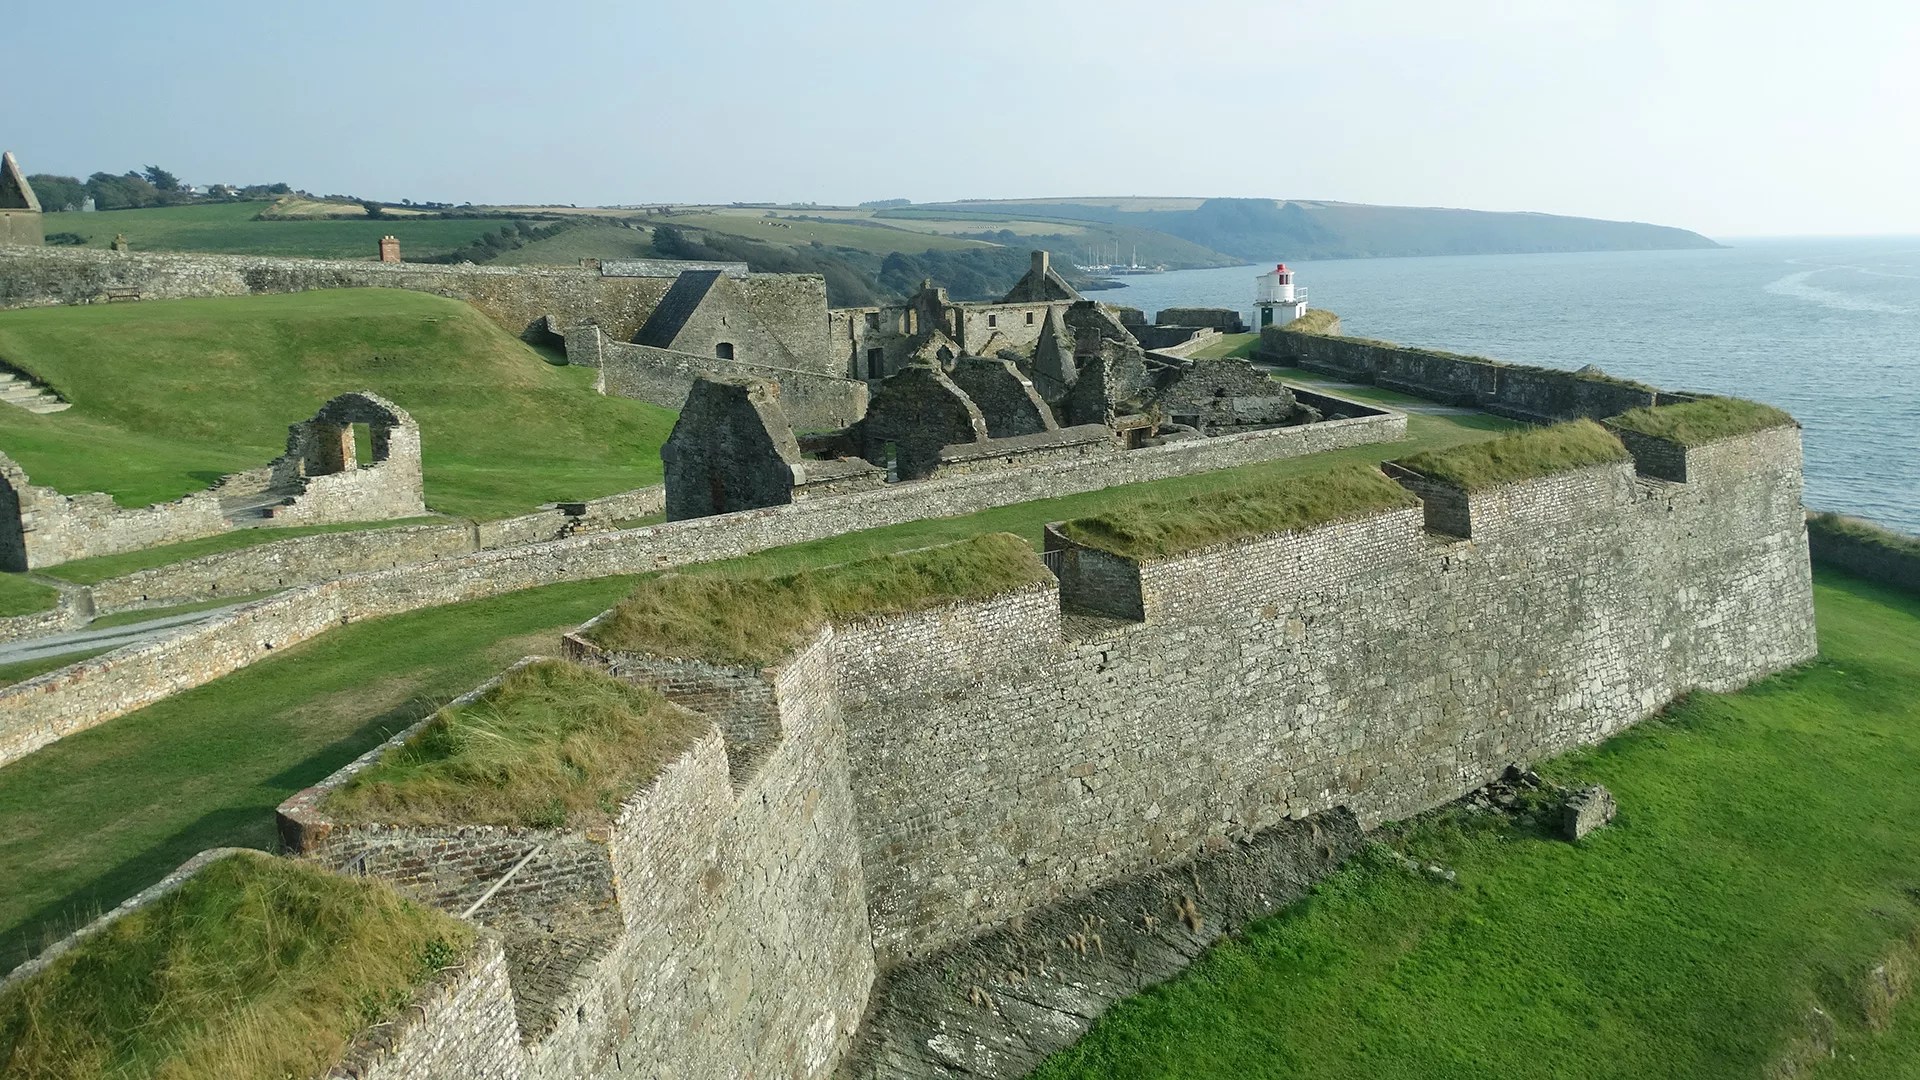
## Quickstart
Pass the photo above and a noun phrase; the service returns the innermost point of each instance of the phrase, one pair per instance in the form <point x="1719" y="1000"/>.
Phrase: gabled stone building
<point x="20" y="218"/>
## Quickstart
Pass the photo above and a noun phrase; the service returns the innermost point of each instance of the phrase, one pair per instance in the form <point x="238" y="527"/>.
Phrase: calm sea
<point x="1827" y="329"/>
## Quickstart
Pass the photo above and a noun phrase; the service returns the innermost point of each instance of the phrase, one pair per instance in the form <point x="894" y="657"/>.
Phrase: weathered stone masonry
<point x="49" y="707"/>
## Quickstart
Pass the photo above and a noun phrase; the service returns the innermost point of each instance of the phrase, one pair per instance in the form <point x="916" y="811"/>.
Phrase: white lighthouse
<point x="1276" y="302"/>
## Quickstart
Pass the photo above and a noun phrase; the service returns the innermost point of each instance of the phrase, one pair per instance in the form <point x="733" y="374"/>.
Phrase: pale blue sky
<point x="1731" y="118"/>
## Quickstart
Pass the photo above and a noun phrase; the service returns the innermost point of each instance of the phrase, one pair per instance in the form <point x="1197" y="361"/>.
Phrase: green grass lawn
<point x="229" y="228"/>
<point x="1235" y="345"/>
<point x="21" y="595"/>
<point x="170" y="395"/>
<point x="1763" y="860"/>
<point x="99" y="815"/>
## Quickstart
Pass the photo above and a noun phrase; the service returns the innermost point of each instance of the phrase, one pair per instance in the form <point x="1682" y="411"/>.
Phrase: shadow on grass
<point x="249" y="823"/>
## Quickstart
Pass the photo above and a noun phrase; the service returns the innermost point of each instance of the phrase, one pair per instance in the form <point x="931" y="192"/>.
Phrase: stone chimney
<point x="389" y="249"/>
<point x="1039" y="264"/>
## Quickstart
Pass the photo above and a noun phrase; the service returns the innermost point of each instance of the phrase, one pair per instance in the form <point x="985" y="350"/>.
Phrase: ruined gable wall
<point x="516" y="298"/>
<point x="979" y="322"/>
<point x="791" y="309"/>
<point x="1359" y="664"/>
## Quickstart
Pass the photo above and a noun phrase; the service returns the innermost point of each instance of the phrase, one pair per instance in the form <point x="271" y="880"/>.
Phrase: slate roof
<point x="15" y="192"/>
<point x="1045" y="287"/>
<point x="689" y="291"/>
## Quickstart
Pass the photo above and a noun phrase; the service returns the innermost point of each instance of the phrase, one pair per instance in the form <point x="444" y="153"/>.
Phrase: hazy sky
<point x="1763" y="117"/>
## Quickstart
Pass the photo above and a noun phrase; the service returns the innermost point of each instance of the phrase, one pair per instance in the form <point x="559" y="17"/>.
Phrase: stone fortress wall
<point x="48" y="707"/>
<point x="1533" y="394"/>
<point x="813" y="838"/>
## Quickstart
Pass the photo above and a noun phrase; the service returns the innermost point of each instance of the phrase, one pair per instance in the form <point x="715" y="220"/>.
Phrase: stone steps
<point x="21" y="392"/>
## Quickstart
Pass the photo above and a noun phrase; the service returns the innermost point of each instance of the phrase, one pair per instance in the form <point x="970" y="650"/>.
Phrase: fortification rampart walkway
<point x="49" y="707"/>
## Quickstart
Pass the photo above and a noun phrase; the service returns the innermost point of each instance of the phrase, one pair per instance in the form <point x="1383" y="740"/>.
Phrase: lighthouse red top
<point x="1281" y="269"/>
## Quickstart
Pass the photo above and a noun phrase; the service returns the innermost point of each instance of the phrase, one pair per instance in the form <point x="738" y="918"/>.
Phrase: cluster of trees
<point x="491" y="245"/>
<point x="151" y="186"/>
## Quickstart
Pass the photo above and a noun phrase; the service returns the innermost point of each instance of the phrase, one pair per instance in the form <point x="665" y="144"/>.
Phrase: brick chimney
<point x="389" y="249"/>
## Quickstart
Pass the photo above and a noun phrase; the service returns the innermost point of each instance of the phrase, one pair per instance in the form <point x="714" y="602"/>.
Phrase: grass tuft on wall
<point x="1169" y="527"/>
<point x="1694" y="423"/>
<point x="554" y="744"/>
<point x="1523" y="455"/>
<point x="757" y="620"/>
<point x="256" y="967"/>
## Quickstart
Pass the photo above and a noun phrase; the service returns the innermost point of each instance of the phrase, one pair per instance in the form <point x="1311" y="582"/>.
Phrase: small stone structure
<point x="389" y="249"/>
<point x="733" y="449"/>
<point x="320" y="478"/>
<point x="1586" y="810"/>
<point x="21" y="223"/>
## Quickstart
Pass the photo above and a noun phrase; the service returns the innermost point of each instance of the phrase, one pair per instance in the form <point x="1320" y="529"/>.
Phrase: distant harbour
<point x="1828" y="329"/>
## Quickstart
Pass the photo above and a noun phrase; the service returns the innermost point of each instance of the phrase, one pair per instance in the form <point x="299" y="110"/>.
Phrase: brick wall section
<point x="48" y="707"/>
<point x="515" y="297"/>
<point x="463" y="1029"/>
<point x="742" y="945"/>
<point x="814" y="402"/>
<point x="1525" y="393"/>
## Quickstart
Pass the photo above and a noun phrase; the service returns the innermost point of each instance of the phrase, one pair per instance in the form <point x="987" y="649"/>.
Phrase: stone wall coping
<point x="1078" y="435"/>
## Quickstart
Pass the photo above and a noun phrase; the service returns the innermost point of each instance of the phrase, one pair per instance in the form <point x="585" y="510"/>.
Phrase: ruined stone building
<point x="20" y="219"/>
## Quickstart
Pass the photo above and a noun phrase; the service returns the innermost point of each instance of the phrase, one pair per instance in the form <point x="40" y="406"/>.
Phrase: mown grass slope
<point x="1763" y="861"/>
<point x="170" y="395"/>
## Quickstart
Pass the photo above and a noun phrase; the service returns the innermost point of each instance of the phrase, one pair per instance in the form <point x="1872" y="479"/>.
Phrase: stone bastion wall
<point x="48" y="707"/>
<point x="899" y="786"/>
<point x="1533" y="394"/>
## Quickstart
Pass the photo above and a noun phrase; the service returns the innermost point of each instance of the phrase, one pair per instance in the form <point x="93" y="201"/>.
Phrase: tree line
<point x="136" y="189"/>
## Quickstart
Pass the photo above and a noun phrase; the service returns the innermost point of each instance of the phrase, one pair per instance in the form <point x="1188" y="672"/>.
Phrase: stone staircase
<point x="20" y="391"/>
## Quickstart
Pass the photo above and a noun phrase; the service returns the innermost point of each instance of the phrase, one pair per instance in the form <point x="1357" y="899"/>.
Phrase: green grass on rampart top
<point x="169" y="395"/>
<point x="100" y="814"/>
<point x="748" y="620"/>
<point x="1693" y="423"/>
<point x="554" y="744"/>
<point x="21" y="595"/>
<point x="1762" y="863"/>
<point x="1523" y="455"/>
<point x="1150" y="529"/>
<point x="106" y="567"/>
<point x="256" y="968"/>
<point x="1315" y="321"/>
<point x="1865" y="532"/>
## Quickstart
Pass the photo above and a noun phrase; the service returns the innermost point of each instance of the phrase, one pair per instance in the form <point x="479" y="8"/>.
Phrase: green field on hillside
<point x="788" y="230"/>
<point x="1764" y="859"/>
<point x="99" y="815"/>
<point x="230" y="228"/>
<point x="170" y="395"/>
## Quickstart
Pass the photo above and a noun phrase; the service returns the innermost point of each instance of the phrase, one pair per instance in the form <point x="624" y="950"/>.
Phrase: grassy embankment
<point x="168" y="396"/>
<point x="553" y="744"/>
<point x="21" y="595"/>
<point x="102" y="813"/>
<point x="255" y="967"/>
<point x="1523" y="455"/>
<point x="1762" y="864"/>
<point x="231" y="228"/>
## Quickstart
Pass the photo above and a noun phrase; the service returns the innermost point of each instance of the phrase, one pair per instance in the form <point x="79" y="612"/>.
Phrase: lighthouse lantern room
<point x="1276" y="301"/>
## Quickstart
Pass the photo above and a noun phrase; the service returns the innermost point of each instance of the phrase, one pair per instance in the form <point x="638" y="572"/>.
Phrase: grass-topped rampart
<point x="1315" y="321"/>
<point x="552" y="744"/>
<point x="1168" y="527"/>
<point x="1695" y="423"/>
<point x="757" y="620"/>
<point x="1866" y="532"/>
<point x="1523" y="455"/>
<point x="256" y="968"/>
